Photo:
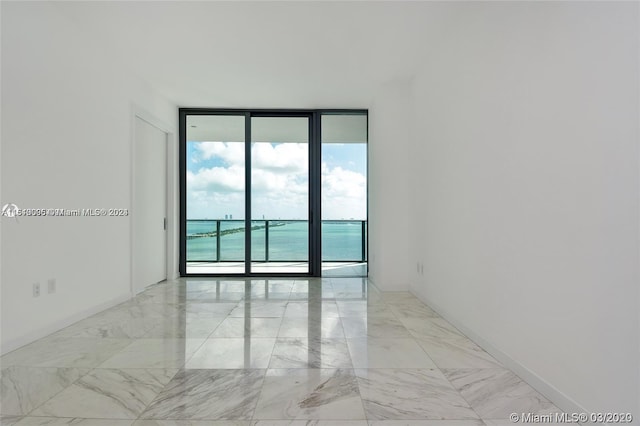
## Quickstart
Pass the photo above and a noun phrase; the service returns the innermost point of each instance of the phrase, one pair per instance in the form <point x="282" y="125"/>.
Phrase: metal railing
<point x="342" y="240"/>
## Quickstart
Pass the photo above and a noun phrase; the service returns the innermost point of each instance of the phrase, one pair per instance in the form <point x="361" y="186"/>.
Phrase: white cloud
<point x="344" y="194"/>
<point x="338" y="182"/>
<point x="286" y="157"/>
<point x="279" y="184"/>
<point x="231" y="153"/>
<point x="217" y="179"/>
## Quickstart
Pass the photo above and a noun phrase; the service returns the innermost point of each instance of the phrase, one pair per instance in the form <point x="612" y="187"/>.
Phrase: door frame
<point x="171" y="234"/>
<point x="315" y="183"/>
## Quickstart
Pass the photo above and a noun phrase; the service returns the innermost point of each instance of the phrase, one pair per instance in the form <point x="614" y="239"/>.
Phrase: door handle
<point x="164" y="224"/>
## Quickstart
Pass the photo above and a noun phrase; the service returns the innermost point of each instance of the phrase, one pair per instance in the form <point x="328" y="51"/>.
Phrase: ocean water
<point x="288" y="240"/>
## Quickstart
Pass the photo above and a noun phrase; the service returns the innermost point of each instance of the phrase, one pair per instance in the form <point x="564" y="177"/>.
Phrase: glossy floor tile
<point x="388" y="353"/>
<point x="208" y="394"/>
<point x="310" y="423"/>
<point x="233" y="353"/>
<point x="24" y="388"/>
<point x="154" y="353"/>
<point x="494" y="393"/>
<point x="193" y="423"/>
<point x="9" y="420"/>
<point x="261" y="352"/>
<point x="310" y="394"/>
<point x="374" y="326"/>
<point x="65" y="352"/>
<point x="411" y="394"/>
<point x="254" y="327"/>
<point x="303" y="352"/>
<point x="108" y="394"/>
<point x="427" y="423"/>
<point x="71" y="421"/>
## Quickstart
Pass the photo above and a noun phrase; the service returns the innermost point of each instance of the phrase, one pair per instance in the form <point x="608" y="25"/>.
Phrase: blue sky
<point x="215" y="180"/>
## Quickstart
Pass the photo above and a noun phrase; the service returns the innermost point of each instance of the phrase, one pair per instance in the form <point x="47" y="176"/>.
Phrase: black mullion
<point x="182" y="159"/>
<point x="311" y="223"/>
<point x="315" y="176"/>
<point x="247" y="193"/>
<point x="367" y="154"/>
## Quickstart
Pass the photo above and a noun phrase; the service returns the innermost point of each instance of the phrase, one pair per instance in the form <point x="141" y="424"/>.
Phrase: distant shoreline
<point x="231" y="231"/>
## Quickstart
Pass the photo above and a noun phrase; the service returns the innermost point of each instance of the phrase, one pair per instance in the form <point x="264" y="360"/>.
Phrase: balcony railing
<point x="274" y="240"/>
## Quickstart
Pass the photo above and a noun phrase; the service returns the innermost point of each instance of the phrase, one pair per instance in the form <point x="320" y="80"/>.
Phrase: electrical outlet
<point x="51" y="285"/>
<point x="36" y="289"/>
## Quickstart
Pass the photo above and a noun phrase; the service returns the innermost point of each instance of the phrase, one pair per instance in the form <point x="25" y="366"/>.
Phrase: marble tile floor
<point x="261" y="352"/>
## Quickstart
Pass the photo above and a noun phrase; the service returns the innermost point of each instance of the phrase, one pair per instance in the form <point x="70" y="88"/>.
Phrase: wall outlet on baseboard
<point x="51" y="285"/>
<point x="36" y="289"/>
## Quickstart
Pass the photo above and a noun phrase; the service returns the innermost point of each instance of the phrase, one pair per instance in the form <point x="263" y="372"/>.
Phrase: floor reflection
<point x="261" y="351"/>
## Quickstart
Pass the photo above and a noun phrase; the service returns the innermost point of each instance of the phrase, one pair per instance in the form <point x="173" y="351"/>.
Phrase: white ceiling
<point x="264" y="54"/>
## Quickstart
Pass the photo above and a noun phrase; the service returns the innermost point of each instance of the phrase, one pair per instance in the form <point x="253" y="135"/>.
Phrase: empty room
<point x="329" y="213"/>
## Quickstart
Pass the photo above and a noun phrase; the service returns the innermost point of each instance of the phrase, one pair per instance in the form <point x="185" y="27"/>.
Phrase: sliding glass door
<point x="251" y="184"/>
<point x="280" y="194"/>
<point x="215" y="193"/>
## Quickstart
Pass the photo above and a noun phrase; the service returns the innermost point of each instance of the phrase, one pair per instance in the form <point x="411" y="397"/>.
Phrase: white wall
<point x="66" y="134"/>
<point x="389" y="126"/>
<point x="526" y="178"/>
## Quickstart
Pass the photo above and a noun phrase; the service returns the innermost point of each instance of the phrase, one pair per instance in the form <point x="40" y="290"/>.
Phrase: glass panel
<point x="232" y="240"/>
<point x="201" y="240"/>
<point x="215" y="194"/>
<point x="258" y="240"/>
<point x="280" y="194"/>
<point x="344" y="194"/>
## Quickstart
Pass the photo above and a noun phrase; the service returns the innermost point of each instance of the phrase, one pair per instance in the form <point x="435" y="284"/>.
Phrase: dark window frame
<point x="315" y="183"/>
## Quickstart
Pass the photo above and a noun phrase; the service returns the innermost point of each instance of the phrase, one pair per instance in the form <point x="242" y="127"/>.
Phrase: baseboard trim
<point x="14" y="344"/>
<point x="553" y="394"/>
<point x="399" y="287"/>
